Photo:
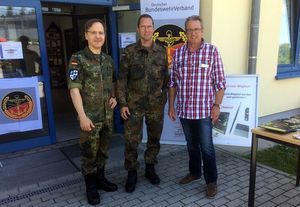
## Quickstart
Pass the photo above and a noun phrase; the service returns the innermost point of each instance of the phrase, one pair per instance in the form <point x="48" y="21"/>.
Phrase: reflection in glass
<point x="18" y="25"/>
<point x="284" y="56"/>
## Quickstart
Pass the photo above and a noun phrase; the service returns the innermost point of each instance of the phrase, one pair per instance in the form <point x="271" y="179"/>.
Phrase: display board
<point x="238" y="115"/>
<point x="238" y="111"/>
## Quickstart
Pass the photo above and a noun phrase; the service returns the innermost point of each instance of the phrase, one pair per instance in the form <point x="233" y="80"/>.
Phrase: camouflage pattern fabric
<point x="93" y="75"/>
<point x="94" y="147"/>
<point x="142" y="87"/>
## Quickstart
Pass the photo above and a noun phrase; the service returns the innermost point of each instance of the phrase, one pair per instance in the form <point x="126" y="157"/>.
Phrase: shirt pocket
<point x="159" y="68"/>
<point x="205" y="64"/>
<point x="205" y="67"/>
<point x="137" y="71"/>
<point x="93" y="72"/>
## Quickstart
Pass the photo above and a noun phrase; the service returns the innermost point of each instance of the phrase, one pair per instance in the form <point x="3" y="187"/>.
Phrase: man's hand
<point x="112" y="102"/>
<point x="172" y="113"/>
<point x="215" y="112"/>
<point x="86" y="124"/>
<point x="125" y="112"/>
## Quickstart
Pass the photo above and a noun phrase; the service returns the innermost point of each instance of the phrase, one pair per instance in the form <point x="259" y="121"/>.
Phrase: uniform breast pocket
<point x="93" y="73"/>
<point x="137" y="72"/>
<point x="158" y="69"/>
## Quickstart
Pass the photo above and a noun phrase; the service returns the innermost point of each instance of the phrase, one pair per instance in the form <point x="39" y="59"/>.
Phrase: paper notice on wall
<point x="126" y="39"/>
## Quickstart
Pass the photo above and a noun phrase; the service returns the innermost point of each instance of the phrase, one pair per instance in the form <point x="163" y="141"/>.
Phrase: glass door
<point x="26" y="119"/>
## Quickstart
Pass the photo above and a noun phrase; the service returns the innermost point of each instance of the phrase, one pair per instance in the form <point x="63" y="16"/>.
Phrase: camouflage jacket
<point x="93" y="75"/>
<point x="143" y="76"/>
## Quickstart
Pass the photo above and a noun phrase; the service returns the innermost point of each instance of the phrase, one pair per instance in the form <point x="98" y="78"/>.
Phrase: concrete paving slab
<point x="33" y="168"/>
<point x="273" y="188"/>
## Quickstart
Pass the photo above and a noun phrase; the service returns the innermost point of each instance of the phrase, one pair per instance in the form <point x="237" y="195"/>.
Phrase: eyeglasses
<point x="95" y="33"/>
<point x="196" y="30"/>
<point x="146" y="27"/>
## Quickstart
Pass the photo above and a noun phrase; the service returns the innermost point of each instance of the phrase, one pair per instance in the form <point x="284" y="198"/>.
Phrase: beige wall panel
<point x="230" y="33"/>
<point x="206" y="15"/>
<point x="275" y="95"/>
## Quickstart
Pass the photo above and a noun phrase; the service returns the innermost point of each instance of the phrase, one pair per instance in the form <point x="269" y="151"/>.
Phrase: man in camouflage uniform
<point x="141" y="90"/>
<point x="90" y="80"/>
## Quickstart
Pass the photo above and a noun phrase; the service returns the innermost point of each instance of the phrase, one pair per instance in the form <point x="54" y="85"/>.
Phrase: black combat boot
<point x="91" y="189"/>
<point x="151" y="175"/>
<point x="131" y="181"/>
<point x="103" y="183"/>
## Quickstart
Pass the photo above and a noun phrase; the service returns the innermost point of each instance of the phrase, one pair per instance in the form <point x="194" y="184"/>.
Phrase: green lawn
<point x="279" y="157"/>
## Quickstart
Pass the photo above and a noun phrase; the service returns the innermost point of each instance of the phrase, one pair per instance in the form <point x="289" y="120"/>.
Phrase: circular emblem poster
<point x="17" y="105"/>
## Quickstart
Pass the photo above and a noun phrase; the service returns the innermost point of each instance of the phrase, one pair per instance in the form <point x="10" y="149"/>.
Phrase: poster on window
<point x="11" y="50"/>
<point x="238" y="115"/>
<point x="20" y="105"/>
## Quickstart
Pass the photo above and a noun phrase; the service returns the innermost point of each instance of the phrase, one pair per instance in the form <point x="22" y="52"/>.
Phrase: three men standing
<point x="196" y="78"/>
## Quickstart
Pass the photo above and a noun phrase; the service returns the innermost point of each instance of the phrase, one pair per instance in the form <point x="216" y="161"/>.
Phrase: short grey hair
<point x="193" y="18"/>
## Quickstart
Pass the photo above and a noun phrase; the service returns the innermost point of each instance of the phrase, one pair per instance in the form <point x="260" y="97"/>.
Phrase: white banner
<point x="170" y="9"/>
<point x="20" y="105"/>
<point x="238" y="115"/>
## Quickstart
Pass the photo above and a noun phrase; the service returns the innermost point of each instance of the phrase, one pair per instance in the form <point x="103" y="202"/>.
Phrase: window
<point x="20" y="58"/>
<point x="19" y="43"/>
<point x="289" y="45"/>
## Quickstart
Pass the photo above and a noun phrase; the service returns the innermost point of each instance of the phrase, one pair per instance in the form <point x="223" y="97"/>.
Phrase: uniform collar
<point x="89" y="54"/>
<point x="153" y="47"/>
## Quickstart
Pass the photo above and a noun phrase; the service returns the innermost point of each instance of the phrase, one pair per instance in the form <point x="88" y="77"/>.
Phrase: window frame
<point x="292" y="70"/>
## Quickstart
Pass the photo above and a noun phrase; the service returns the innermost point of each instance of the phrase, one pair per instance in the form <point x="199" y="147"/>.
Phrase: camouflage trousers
<point x="94" y="147"/>
<point x="133" y="135"/>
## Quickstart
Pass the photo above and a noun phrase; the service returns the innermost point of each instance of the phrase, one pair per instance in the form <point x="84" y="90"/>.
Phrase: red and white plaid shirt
<point x="196" y="77"/>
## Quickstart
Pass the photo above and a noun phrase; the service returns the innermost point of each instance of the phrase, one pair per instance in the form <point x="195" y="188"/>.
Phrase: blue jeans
<point x="198" y="135"/>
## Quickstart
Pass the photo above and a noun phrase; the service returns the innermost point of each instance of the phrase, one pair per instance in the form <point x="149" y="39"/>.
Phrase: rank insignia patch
<point x="73" y="74"/>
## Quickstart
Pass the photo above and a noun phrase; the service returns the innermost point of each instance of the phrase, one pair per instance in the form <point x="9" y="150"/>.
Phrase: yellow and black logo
<point x="171" y="36"/>
<point x="17" y="105"/>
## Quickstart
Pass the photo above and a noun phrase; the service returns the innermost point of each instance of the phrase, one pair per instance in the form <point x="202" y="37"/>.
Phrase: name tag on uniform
<point x="204" y="65"/>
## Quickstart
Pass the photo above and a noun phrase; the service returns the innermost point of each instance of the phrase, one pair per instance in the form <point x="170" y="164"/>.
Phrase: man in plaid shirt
<point x="197" y="80"/>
